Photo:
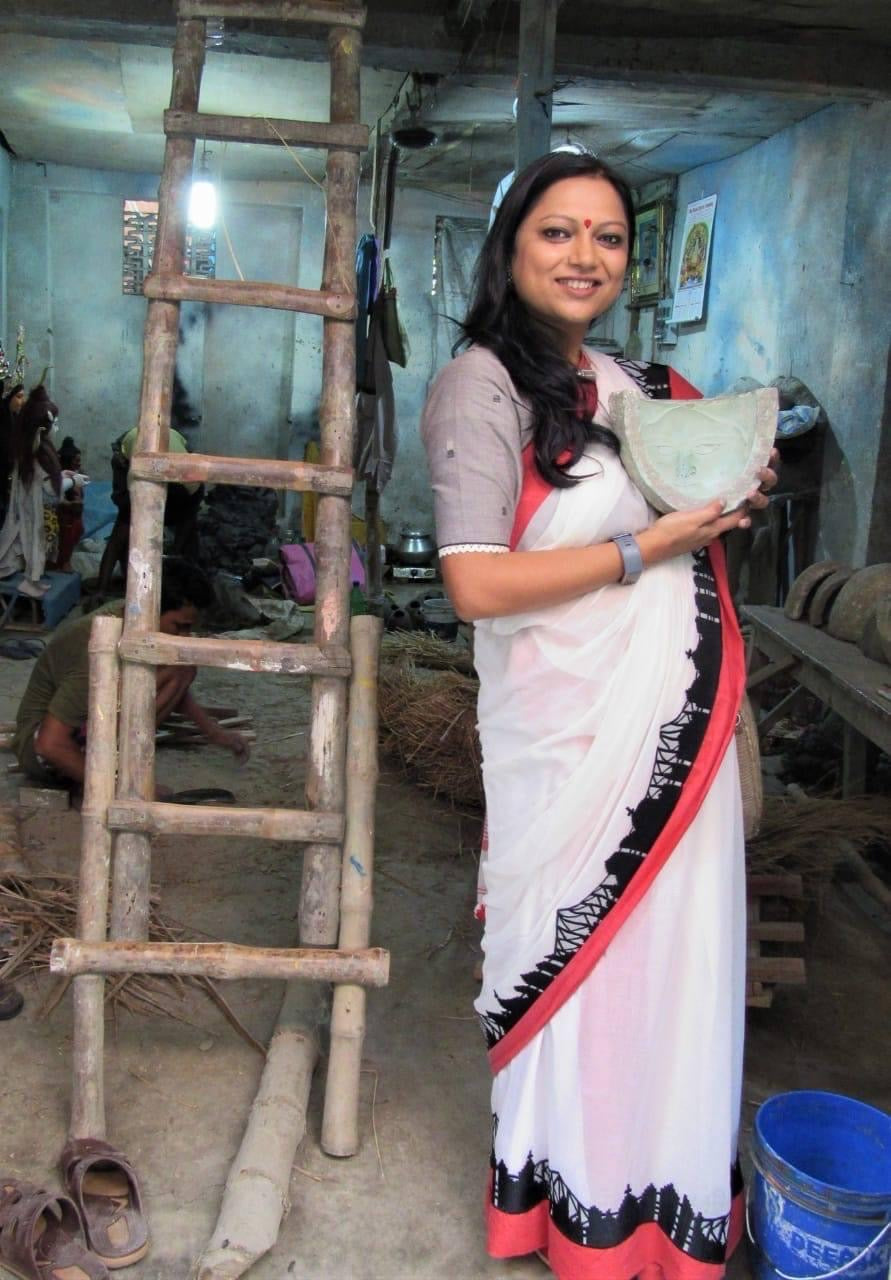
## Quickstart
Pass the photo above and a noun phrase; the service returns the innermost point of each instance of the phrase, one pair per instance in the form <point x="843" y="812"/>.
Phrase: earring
<point x="510" y="277"/>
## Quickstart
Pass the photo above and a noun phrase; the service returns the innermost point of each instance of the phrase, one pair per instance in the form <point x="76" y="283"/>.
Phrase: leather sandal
<point x="103" y="1185"/>
<point x="41" y="1235"/>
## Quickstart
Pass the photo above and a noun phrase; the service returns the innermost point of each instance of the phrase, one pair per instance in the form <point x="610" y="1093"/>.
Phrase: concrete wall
<point x="797" y="286"/>
<point x="253" y="376"/>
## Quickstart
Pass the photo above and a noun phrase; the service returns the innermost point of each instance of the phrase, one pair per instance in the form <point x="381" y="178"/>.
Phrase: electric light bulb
<point x="203" y="204"/>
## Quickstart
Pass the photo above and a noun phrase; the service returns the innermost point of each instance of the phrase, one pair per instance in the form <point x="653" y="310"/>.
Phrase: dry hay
<point x="808" y="835"/>
<point x="428" y="720"/>
<point x="424" y="650"/>
<point x="35" y="910"/>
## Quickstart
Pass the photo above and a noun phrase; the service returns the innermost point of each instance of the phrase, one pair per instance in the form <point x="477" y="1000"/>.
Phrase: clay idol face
<point x="683" y="453"/>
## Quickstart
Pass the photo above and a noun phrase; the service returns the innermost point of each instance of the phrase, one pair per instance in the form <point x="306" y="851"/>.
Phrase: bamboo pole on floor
<point x="340" y="1123"/>
<point x="88" y="1093"/>
<point x="256" y="1196"/>
<point x="320" y="885"/>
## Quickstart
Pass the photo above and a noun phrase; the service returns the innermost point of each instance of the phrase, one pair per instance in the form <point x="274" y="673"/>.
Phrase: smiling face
<point x="570" y="256"/>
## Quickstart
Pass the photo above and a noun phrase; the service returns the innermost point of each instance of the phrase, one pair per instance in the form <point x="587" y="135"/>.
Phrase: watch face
<point x="683" y="453"/>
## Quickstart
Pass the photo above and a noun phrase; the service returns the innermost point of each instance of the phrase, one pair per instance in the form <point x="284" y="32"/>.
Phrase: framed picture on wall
<point x="648" y="258"/>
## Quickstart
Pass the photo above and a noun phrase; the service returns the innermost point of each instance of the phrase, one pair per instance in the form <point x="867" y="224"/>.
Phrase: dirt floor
<point x="409" y="1205"/>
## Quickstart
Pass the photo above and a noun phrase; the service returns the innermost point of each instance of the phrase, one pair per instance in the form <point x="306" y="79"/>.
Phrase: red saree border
<point x="514" y="1234"/>
<point x="718" y="734"/>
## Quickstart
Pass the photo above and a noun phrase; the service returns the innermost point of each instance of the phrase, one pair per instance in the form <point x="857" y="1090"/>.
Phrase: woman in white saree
<point x="611" y="670"/>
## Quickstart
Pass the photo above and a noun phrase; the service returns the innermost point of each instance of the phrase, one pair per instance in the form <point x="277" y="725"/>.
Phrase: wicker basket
<point x="748" y="754"/>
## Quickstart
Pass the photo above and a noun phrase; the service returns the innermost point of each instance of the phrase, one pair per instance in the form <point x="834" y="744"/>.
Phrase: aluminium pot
<point x="415" y="547"/>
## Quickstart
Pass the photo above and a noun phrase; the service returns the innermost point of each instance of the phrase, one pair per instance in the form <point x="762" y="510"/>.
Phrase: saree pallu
<point x="614" y="973"/>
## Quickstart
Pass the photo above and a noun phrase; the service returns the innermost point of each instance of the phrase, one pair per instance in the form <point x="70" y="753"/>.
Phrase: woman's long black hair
<point x="29" y="439"/>
<point x="499" y="320"/>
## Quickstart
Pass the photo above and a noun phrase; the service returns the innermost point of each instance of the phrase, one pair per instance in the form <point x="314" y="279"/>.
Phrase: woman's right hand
<point x="682" y="531"/>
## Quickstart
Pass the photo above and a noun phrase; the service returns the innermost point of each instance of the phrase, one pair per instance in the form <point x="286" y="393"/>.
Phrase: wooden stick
<point x="264" y="130"/>
<point x="340" y="1124"/>
<point x="272" y="473"/>
<point x="173" y="287"/>
<point x="158" y="818"/>
<point x="227" y="960"/>
<point x="132" y="861"/>
<point x="256" y="1196"/>
<point x="320" y="884"/>
<point x="87" y="1092"/>
<point x="156" y="648"/>
<point x="275" y="11"/>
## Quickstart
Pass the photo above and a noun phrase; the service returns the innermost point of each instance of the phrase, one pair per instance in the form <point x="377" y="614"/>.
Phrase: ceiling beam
<point x="835" y="67"/>
<point x="535" y="80"/>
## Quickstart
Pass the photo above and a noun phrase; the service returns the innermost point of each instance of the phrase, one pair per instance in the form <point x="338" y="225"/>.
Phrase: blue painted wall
<point x="799" y="284"/>
<point x="7" y="339"/>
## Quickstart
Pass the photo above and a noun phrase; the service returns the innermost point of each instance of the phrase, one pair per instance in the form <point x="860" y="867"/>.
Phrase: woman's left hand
<point x="758" y="498"/>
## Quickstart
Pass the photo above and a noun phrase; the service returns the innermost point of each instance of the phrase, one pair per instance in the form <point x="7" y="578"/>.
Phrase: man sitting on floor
<point x="52" y="717"/>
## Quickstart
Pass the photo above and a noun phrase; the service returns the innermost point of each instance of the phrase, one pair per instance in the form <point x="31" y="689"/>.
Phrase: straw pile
<point x="424" y="650"/>
<point x="809" y="834"/>
<point x="35" y="910"/>
<point x="428" y="721"/>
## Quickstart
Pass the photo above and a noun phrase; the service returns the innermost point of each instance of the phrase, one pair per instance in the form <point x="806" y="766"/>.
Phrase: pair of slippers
<point x="96" y="1228"/>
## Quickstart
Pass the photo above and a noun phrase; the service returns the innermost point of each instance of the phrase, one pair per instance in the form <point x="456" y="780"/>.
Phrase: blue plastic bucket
<point x="821" y="1196"/>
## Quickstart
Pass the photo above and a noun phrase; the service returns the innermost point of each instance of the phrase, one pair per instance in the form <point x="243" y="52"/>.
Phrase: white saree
<point x="614" y="974"/>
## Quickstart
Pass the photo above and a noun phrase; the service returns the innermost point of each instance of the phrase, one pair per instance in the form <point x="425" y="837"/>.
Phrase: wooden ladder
<point x="127" y="813"/>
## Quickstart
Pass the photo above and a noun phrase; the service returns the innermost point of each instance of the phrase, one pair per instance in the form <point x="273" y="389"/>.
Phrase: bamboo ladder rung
<point x="157" y="649"/>
<point x="272" y="473"/>
<point x="265" y="131"/>
<point x="318" y="14"/>
<point x="365" y="967"/>
<point x="157" y="818"/>
<point x="173" y="287"/>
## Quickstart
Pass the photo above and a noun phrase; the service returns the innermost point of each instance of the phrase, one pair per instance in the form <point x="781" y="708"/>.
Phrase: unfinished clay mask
<point x="683" y="453"/>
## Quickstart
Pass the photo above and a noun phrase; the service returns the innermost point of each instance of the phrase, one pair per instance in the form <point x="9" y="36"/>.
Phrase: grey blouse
<point x="474" y="428"/>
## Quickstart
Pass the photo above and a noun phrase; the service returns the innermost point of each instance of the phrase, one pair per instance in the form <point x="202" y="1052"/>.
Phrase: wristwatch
<point x="631" y="558"/>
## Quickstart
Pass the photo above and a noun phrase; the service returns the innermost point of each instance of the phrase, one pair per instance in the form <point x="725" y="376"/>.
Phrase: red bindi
<point x="587" y="222"/>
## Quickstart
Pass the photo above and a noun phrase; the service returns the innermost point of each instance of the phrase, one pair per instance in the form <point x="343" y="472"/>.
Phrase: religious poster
<point x="696" y="243"/>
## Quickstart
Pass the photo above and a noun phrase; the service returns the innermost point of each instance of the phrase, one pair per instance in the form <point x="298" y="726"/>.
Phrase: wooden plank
<point x="250" y="293"/>
<point x="834" y="670"/>
<point x="273" y="473"/>
<point x="369" y="967"/>
<point x="786" y="969"/>
<point x="785" y="885"/>
<point x="769" y="671"/>
<point x="158" y="818"/>
<point x="265" y="130"/>
<point x="317" y="14"/>
<point x="535" y="80"/>
<point x="782" y="708"/>
<point x="775" y="931"/>
<point x="157" y="649"/>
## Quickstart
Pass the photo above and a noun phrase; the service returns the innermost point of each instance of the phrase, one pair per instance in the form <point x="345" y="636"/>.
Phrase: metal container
<point x="415" y="547"/>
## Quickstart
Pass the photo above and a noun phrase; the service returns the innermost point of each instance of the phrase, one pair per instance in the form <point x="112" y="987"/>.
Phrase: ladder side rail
<point x="319" y="906"/>
<point x="88" y="1080"/>
<point x="132" y="862"/>
<point x="340" y="1121"/>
